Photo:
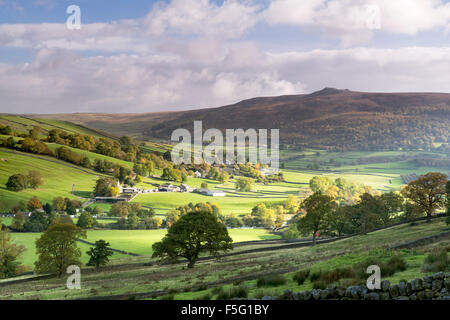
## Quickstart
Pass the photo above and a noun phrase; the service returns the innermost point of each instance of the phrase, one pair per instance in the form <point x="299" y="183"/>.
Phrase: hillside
<point x="330" y="118"/>
<point x="59" y="176"/>
<point x="136" y="278"/>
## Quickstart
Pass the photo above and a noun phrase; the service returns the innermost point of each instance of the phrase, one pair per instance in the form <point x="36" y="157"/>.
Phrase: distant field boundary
<point x="112" y="249"/>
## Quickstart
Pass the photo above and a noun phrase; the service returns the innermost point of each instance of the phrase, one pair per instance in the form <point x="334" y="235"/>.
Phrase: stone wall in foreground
<point x="434" y="287"/>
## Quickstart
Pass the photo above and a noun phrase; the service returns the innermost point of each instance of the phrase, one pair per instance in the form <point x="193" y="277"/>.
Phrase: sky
<point x="151" y="56"/>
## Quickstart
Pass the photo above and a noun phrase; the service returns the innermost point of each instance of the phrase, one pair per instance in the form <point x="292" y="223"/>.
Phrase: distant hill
<point x="330" y="118"/>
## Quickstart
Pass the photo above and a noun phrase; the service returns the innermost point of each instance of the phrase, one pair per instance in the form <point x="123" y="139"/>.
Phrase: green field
<point x="30" y="256"/>
<point x="135" y="241"/>
<point x="23" y="124"/>
<point x="135" y="277"/>
<point x="58" y="178"/>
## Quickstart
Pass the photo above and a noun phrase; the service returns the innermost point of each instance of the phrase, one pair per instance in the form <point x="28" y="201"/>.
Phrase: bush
<point x="239" y="292"/>
<point x="437" y="260"/>
<point x="271" y="281"/>
<point x="301" y="276"/>
<point x="315" y="276"/>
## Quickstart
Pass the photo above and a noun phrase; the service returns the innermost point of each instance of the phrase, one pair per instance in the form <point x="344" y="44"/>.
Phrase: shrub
<point x="239" y="292"/>
<point x="271" y="281"/>
<point x="437" y="260"/>
<point x="301" y="276"/>
<point x="315" y="276"/>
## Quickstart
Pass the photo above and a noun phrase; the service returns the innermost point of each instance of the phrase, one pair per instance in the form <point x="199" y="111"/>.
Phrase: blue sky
<point x="144" y="56"/>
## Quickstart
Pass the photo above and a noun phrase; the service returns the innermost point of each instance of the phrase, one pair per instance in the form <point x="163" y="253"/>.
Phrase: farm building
<point x="167" y="187"/>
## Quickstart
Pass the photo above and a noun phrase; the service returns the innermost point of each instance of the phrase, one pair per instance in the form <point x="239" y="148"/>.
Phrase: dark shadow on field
<point x="82" y="194"/>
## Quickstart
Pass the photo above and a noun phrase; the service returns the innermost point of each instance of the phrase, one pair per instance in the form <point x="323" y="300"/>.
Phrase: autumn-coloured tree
<point x="427" y="192"/>
<point x="57" y="248"/>
<point x="34" y="204"/>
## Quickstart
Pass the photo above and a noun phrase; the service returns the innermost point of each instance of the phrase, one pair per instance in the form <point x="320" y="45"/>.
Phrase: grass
<point x="136" y="241"/>
<point x="30" y="256"/>
<point x="135" y="277"/>
<point x="58" y="178"/>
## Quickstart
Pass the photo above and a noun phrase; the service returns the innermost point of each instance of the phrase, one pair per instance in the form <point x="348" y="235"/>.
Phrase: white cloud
<point x="349" y="20"/>
<point x="60" y="81"/>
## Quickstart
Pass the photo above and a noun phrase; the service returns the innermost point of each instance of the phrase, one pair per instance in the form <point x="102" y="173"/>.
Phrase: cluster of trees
<point x="343" y="191"/>
<point x="378" y="131"/>
<point x="19" y="182"/>
<point x="57" y="249"/>
<point x="41" y="215"/>
<point x="106" y="187"/>
<point x="173" y="174"/>
<point x="322" y="213"/>
<point x="272" y="215"/>
<point x="175" y="214"/>
<point x="133" y="216"/>
<point x="218" y="175"/>
<point x="6" y="130"/>
<point x="124" y="148"/>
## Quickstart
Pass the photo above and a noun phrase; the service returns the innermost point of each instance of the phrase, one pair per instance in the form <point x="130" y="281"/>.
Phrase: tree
<point x="85" y="221"/>
<point x="244" y="184"/>
<point x="224" y="177"/>
<point x="104" y="186"/>
<point x="36" y="222"/>
<point x="34" y="204"/>
<point x="194" y="233"/>
<point x="17" y="182"/>
<point x="99" y="255"/>
<point x="34" y="179"/>
<point x="97" y="211"/>
<point x="57" y="248"/>
<point x="9" y="255"/>
<point x="319" y="209"/>
<point x="18" y="222"/>
<point x="371" y="212"/>
<point x="59" y="204"/>
<point x="427" y="192"/>
<point x="204" y="185"/>
<point x="320" y="184"/>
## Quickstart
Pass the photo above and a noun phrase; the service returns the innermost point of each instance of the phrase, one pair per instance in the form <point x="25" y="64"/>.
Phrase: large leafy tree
<point x="99" y="254"/>
<point x="17" y="182"/>
<point x="57" y="248"/>
<point x="319" y="210"/>
<point x="427" y="192"/>
<point x="9" y="255"/>
<point x="192" y="234"/>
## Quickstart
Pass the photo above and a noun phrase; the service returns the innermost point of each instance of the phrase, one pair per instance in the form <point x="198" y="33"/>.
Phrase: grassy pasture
<point x="58" y="178"/>
<point x="136" y="241"/>
<point x="136" y="277"/>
